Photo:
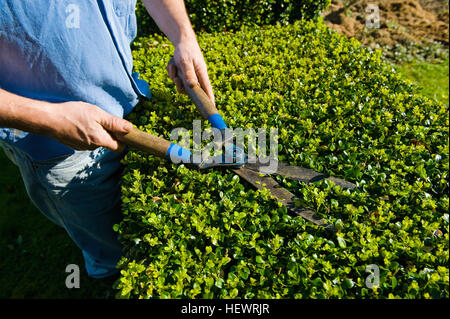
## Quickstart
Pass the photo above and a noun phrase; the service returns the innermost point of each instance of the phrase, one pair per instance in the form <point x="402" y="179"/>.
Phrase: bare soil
<point x="400" y="21"/>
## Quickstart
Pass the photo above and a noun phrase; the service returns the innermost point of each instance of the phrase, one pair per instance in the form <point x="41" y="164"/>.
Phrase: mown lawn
<point x="431" y="78"/>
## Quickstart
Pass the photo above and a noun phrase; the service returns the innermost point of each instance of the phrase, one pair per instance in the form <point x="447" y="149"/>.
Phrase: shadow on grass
<point x="34" y="252"/>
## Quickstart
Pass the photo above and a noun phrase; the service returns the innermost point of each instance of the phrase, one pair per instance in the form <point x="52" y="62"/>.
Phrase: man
<point x="66" y="83"/>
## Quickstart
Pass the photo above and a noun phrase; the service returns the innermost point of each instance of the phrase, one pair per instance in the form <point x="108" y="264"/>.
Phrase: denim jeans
<point x="81" y="193"/>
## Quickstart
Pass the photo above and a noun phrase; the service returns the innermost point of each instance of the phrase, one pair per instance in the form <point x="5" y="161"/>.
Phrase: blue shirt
<point x="68" y="50"/>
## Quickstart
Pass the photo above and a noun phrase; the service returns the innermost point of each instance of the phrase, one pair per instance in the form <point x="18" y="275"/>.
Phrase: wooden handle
<point x="158" y="146"/>
<point x="145" y="142"/>
<point x="201" y="100"/>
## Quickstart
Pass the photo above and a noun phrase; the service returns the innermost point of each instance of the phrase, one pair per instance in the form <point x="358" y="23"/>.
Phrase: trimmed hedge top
<point x="340" y="110"/>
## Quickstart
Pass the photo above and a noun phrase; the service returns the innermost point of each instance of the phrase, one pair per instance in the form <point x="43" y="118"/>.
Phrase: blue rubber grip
<point x="217" y="121"/>
<point x="178" y="154"/>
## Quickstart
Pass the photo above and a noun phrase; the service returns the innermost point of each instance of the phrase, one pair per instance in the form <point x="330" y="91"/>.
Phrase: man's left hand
<point x="188" y="62"/>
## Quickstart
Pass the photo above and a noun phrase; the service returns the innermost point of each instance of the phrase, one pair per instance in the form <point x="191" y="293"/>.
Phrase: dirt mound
<point x="400" y="22"/>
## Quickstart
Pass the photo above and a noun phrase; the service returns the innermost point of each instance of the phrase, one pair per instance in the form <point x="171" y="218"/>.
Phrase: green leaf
<point x="341" y="242"/>
<point x="348" y="283"/>
<point x="259" y="259"/>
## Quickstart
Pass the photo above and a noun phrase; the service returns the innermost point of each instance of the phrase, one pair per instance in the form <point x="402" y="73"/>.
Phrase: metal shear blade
<point x="297" y="173"/>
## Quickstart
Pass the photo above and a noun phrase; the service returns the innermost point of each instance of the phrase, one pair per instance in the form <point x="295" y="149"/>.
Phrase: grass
<point x="34" y="252"/>
<point x="431" y="78"/>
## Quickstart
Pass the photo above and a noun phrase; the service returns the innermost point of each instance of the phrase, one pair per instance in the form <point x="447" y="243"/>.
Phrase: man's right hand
<point x="79" y="125"/>
<point x="83" y="126"/>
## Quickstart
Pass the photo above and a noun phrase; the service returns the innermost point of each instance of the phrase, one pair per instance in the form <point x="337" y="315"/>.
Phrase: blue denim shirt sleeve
<point x="68" y="50"/>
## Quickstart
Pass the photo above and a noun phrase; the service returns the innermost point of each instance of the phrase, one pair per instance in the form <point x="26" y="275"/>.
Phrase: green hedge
<point x="340" y="110"/>
<point x="220" y="15"/>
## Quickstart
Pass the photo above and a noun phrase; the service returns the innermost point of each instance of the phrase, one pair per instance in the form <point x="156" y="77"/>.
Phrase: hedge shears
<point x="233" y="158"/>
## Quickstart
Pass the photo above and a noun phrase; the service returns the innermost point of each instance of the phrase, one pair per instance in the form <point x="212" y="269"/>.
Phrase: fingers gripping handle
<point x="203" y="103"/>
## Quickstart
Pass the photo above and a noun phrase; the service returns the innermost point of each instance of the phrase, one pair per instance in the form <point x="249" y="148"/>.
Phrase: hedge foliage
<point x="339" y="109"/>
<point x="220" y="15"/>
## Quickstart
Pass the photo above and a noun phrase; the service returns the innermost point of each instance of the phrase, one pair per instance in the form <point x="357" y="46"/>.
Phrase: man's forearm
<point x="171" y="17"/>
<point x="189" y="65"/>
<point x="77" y="124"/>
<point x="23" y="113"/>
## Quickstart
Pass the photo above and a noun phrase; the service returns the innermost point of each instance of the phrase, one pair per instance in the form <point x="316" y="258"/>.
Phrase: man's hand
<point x="83" y="126"/>
<point x="79" y="125"/>
<point x="188" y="62"/>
